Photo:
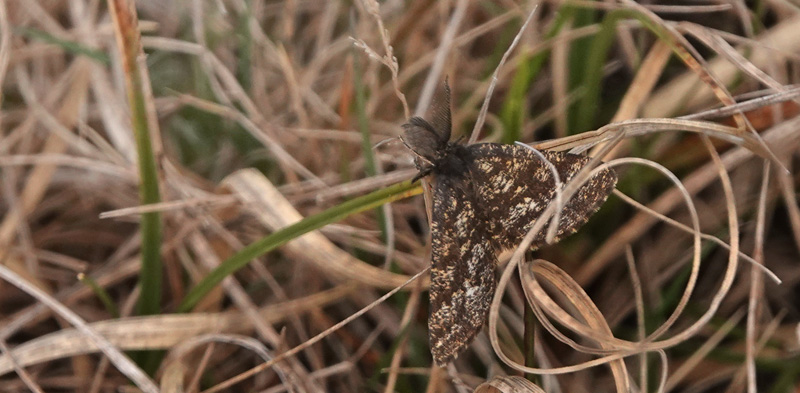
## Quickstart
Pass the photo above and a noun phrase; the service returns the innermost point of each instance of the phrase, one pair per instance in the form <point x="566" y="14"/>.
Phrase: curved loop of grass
<point x="277" y="239"/>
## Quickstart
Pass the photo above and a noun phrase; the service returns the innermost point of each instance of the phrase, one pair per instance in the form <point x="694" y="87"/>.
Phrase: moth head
<point x="428" y="140"/>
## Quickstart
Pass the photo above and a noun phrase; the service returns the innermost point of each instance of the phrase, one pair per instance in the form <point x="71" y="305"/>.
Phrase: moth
<point x="486" y="197"/>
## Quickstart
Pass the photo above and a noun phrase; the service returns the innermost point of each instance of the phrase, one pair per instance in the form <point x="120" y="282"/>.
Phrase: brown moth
<point x="486" y="197"/>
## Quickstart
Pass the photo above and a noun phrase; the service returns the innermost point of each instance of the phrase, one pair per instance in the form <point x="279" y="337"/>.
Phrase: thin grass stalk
<point x="130" y="47"/>
<point x="366" y="143"/>
<point x="589" y="105"/>
<point x="513" y="112"/>
<point x="529" y="342"/>
<point x="101" y="294"/>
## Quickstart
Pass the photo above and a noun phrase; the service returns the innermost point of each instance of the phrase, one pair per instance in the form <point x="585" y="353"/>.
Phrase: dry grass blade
<point x="413" y="303"/>
<point x="779" y="39"/>
<point x="172" y="381"/>
<point x="508" y="385"/>
<point x="485" y="107"/>
<point x="313" y="340"/>
<point x="275" y="212"/>
<point x="5" y="44"/>
<point x="389" y="60"/>
<point x="781" y="137"/>
<point x="158" y="332"/>
<point x="595" y="327"/>
<point x="757" y="286"/>
<point x="167" y="206"/>
<point x="704" y="236"/>
<point x="122" y="362"/>
<point x="26" y="378"/>
<point x="642" y="127"/>
<point x="591" y="315"/>
<point x="435" y="73"/>
<point x="703" y="351"/>
<point x="640" y="316"/>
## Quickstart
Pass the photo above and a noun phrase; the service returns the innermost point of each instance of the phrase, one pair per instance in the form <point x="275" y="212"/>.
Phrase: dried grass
<point x="255" y="104"/>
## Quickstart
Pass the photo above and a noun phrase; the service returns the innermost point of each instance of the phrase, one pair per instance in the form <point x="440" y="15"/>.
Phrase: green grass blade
<point x="137" y="84"/>
<point x="514" y="111"/>
<point x="588" y="106"/>
<point x="366" y="142"/>
<point x="67" y="45"/>
<point x="101" y="294"/>
<point x="150" y="275"/>
<point x="579" y="49"/>
<point x="245" y="45"/>
<point x="275" y="240"/>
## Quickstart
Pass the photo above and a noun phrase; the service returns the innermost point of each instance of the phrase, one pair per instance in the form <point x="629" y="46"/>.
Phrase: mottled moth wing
<point x="462" y="271"/>
<point x="515" y="186"/>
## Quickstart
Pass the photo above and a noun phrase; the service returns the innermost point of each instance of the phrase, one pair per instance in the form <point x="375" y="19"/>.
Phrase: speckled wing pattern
<point x="462" y="268"/>
<point x="486" y="198"/>
<point x="515" y="186"/>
